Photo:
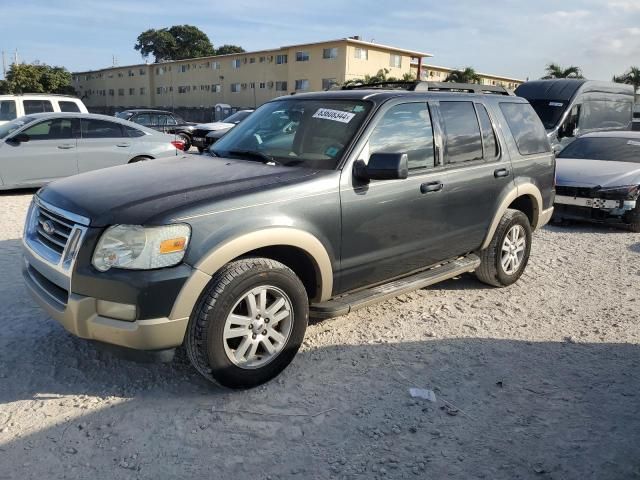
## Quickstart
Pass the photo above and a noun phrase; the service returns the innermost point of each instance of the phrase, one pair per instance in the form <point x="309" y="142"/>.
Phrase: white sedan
<point x="37" y="149"/>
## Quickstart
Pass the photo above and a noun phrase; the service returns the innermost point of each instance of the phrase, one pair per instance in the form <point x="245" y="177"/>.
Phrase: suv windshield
<point x="549" y="111"/>
<point x="309" y="133"/>
<point x="8" y="128"/>
<point x="618" y="149"/>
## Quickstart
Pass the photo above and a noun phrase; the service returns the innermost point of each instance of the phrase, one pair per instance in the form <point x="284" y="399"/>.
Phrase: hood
<point x="592" y="173"/>
<point x="146" y="192"/>
<point x="214" y="126"/>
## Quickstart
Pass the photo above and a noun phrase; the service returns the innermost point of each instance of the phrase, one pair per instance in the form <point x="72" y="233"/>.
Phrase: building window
<point x="130" y="73"/>
<point x="216" y="88"/>
<point x="330" y="53"/>
<point x="327" y="83"/>
<point x="281" y="59"/>
<point x="121" y="92"/>
<point x="184" y="89"/>
<point x="110" y="75"/>
<point x="120" y="75"/>
<point x="142" y="71"/>
<point x="395" y="61"/>
<point x="132" y="91"/>
<point x="143" y="91"/>
<point x="236" y="63"/>
<point x="235" y="87"/>
<point x="263" y="85"/>
<point x="302" y="84"/>
<point x="252" y="85"/>
<point x="111" y="92"/>
<point x="215" y="65"/>
<point x="185" y="68"/>
<point x="252" y="60"/>
<point x="302" y="56"/>
<point x="361" y="53"/>
<point x="281" y="86"/>
<point x="262" y="59"/>
<point x="159" y="90"/>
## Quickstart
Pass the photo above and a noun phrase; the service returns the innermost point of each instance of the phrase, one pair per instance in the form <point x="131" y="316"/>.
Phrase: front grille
<point x="52" y="230"/>
<point x="582" y="192"/>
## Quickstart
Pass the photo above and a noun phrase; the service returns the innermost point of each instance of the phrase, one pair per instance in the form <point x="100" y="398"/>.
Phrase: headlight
<point x="141" y="248"/>
<point x="627" y="192"/>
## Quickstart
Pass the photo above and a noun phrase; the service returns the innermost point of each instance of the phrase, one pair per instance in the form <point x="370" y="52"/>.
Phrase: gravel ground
<point x="538" y="380"/>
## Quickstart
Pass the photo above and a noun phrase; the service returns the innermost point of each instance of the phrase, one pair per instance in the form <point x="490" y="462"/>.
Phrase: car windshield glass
<point x="236" y="117"/>
<point x="124" y="115"/>
<point x="309" y="133"/>
<point x="14" y="125"/>
<point x="549" y="111"/>
<point x="617" y="149"/>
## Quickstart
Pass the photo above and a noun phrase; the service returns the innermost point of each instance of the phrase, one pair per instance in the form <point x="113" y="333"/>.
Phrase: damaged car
<point x="598" y="179"/>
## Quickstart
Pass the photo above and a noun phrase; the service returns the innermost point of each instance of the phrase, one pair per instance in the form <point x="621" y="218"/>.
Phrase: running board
<point x="363" y="298"/>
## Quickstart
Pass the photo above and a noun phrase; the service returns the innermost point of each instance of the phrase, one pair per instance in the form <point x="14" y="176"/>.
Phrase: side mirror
<point x="383" y="166"/>
<point x="18" y="139"/>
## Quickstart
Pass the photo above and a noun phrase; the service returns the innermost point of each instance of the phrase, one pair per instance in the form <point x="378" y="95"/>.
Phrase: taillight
<point x="179" y="144"/>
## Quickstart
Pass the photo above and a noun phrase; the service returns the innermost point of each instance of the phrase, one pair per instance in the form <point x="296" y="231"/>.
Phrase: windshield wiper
<point x="254" y="155"/>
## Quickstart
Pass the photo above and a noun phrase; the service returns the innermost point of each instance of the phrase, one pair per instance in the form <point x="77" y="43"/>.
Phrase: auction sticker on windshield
<point x="335" y="115"/>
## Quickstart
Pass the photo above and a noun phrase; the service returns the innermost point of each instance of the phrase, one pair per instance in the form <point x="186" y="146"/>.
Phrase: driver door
<point x="50" y="153"/>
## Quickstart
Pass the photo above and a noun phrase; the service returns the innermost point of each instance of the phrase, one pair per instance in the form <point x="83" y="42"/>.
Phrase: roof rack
<point x="431" y="87"/>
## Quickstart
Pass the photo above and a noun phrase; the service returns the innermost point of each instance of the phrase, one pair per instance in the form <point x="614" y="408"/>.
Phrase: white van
<point x="14" y="106"/>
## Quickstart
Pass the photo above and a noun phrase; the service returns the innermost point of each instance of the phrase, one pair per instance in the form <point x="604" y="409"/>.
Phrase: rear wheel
<point x="504" y="260"/>
<point x="249" y="324"/>
<point x="139" y="159"/>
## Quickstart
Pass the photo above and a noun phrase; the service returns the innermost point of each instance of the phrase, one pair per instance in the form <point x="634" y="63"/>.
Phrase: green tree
<point x="227" y="49"/>
<point x="556" y="71"/>
<point x="37" y="78"/>
<point x="175" y="43"/>
<point x="630" y="77"/>
<point x="467" y="75"/>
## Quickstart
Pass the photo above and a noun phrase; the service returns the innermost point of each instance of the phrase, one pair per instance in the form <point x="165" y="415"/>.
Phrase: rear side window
<point x="406" y="129"/>
<point x="463" y="142"/>
<point x="37" y="106"/>
<point x="69" y="107"/>
<point x="133" y="132"/>
<point x="146" y="119"/>
<point x="489" y="142"/>
<point x="526" y="128"/>
<point x="92" y="128"/>
<point x="7" y="110"/>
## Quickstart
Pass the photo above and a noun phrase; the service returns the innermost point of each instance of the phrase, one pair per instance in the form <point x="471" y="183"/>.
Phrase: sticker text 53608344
<point x="335" y="115"/>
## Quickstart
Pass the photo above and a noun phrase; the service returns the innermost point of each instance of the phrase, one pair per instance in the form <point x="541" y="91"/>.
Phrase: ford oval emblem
<point x="48" y="227"/>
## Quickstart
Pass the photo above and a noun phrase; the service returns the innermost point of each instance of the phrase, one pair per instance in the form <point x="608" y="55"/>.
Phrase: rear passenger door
<point x="478" y="171"/>
<point x="102" y="144"/>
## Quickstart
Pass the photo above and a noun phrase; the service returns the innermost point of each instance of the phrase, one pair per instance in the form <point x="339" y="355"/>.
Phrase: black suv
<point x="361" y="195"/>
<point x="163" y="121"/>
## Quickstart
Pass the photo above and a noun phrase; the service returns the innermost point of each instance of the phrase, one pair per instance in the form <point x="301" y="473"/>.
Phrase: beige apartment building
<point x="251" y="78"/>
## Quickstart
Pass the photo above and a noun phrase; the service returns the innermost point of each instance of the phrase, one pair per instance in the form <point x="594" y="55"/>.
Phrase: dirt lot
<point x="539" y="380"/>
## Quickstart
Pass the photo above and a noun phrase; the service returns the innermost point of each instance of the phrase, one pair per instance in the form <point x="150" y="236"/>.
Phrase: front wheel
<point x="249" y="324"/>
<point x="186" y="139"/>
<point x="504" y="260"/>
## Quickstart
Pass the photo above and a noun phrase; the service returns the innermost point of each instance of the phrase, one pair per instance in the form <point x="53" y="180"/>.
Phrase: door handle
<point x="431" y="187"/>
<point x="123" y="145"/>
<point x="501" y="172"/>
<point x="66" y="146"/>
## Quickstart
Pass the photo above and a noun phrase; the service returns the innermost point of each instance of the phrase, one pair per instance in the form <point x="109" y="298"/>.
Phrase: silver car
<point x="36" y="149"/>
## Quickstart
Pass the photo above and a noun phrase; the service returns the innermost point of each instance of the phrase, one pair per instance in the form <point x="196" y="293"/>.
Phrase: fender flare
<point x="524" y="189"/>
<point x="223" y="253"/>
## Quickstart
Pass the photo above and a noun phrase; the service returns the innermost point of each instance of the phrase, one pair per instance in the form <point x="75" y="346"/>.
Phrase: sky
<point x="515" y="38"/>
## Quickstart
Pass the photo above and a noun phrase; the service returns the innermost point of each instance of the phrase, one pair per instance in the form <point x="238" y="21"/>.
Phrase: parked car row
<point x="15" y="106"/>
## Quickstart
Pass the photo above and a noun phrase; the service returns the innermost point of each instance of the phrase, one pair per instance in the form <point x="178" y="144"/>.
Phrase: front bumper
<point x="596" y="209"/>
<point x="78" y="314"/>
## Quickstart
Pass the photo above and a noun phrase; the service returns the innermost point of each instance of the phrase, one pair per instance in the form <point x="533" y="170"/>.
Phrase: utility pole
<point x="16" y="57"/>
<point x="4" y="65"/>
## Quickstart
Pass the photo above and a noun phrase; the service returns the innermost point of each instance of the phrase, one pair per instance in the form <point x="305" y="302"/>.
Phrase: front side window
<point x="68" y="106"/>
<point x="92" y="128"/>
<point x="7" y="110"/>
<point x="308" y="133"/>
<point x="526" y="128"/>
<point x="146" y="119"/>
<point x="55" y="129"/>
<point x="10" y="127"/>
<point x="405" y="128"/>
<point x="463" y="142"/>
<point x="489" y="142"/>
<point x="37" y="106"/>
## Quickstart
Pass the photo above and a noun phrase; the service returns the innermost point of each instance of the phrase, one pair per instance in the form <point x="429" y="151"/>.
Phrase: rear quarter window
<point x="526" y="128"/>
<point x="69" y="107"/>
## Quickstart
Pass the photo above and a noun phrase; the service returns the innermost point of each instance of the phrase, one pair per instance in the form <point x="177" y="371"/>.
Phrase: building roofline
<point x="254" y="52"/>
<point x="501" y="77"/>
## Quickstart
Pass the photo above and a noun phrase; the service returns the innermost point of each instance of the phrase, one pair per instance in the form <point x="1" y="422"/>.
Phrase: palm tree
<point x="468" y="75"/>
<point x="630" y="77"/>
<point x="556" y="71"/>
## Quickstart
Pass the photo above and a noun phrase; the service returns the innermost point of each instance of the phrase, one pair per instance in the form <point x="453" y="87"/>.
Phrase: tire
<point x="139" y="159"/>
<point x="228" y="360"/>
<point x="186" y="139"/>
<point x="491" y="270"/>
<point x="633" y="217"/>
